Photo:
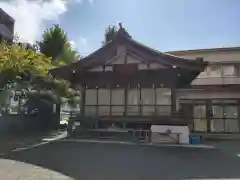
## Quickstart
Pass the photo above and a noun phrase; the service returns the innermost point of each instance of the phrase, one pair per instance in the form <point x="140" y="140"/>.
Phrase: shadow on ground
<point x="117" y="162"/>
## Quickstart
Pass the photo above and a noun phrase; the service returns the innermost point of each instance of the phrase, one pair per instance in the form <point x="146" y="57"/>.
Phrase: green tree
<point x="68" y="55"/>
<point x="55" y="44"/>
<point x="109" y="34"/>
<point x="16" y="61"/>
<point x="28" y="71"/>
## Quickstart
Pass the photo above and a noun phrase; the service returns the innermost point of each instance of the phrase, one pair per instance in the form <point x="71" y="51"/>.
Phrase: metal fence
<point x="136" y="135"/>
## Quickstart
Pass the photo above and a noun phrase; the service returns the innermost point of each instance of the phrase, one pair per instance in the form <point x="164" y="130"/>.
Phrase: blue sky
<point x="162" y="24"/>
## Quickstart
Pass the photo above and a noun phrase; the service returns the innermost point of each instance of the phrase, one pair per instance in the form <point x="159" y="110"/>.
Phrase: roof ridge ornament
<point x="122" y="31"/>
<point x="120" y="25"/>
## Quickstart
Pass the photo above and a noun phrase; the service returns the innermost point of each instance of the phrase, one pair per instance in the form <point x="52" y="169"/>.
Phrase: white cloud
<point x="82" y="40"/>
<point x="31" y="15"/>
<point x="73" y="44"/>
<point x="79" y="44"/>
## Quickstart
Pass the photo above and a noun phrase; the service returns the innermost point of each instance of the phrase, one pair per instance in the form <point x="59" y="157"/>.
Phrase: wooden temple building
<point x="130" y="85"/>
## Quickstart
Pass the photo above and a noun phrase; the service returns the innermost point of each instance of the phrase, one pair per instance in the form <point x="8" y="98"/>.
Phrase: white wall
<point x="216" y="81"/>
<point x="217" y="59"/>
<point x="201" y="94"/>
<point x="212" y="56"/>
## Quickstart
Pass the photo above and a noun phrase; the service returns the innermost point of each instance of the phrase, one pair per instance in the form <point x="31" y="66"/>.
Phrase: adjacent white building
<point x="213" y="99"/>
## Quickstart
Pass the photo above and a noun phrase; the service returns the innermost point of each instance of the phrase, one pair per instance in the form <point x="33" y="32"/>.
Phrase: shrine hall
<point x="130" y="85"/>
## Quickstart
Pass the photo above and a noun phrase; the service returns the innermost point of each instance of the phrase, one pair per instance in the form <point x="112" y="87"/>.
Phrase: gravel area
<point x="14" y="170"/>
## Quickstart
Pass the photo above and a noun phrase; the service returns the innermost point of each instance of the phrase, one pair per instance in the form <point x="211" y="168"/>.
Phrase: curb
<point x="139" y="144"/>
<point x="25" y="148"/>
<point x="43" y="142"/>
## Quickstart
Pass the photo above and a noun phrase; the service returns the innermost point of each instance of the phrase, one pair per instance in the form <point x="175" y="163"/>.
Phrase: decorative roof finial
<point x="122" y="31"/>
<point x="120" y="25"/>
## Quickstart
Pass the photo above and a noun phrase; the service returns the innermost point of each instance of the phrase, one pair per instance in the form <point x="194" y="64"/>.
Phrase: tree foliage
<point x="109" y="34"/>
<point x="68" y="55"/>
<point x="15" y="61"/>
<point x="55" y="44"/>
<point x="28" y="71"/>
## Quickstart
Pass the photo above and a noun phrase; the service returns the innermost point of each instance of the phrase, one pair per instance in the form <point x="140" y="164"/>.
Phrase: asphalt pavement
<point x="86" y="161"/>
<point x="20" y="142"/>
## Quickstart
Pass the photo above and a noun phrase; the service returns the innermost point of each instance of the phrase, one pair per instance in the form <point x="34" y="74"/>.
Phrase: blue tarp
<point x="195" y="139"/>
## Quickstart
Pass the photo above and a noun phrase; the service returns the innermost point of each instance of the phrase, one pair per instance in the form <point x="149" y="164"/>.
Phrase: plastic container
<point x="195" y="139"/>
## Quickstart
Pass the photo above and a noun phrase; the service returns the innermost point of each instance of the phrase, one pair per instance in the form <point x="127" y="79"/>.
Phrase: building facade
<point x="6" y="26"/>
<point x="129" y="85"/>
<point x="213" y="99"/>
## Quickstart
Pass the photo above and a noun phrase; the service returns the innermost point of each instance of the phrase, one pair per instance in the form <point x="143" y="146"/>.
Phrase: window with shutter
<point x="214" y="71"/>
<point x="229" y="70"/>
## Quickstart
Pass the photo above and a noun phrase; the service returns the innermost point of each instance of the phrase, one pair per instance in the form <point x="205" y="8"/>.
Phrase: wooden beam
<point x="96" y="69"/>
<point x="136" y="56"/>
<point x="112" y="60"/>
<point x="163" y="59"/>
<point x="134" y="51"/>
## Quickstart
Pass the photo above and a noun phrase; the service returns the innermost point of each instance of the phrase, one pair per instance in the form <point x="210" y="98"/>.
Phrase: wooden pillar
<point x="155" y="101"/>
<point x="96" y="125"/>
<point x="122" y="53"/>
<point x="125" y="99"/>
<point x="173" y="100"/>
<point x="110" y="106"/>
<point x="124" y="125"/>
<point x="208" y="114"/>
<point x="97" y="104"/>
<point x="238" y="105"/>
<point x="140" y="103"/>
<point x="83" y="100"/>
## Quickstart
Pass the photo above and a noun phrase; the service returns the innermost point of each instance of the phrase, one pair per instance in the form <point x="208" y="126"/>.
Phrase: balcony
<point x="216" y="81"/>
<point x="219" y="74"/>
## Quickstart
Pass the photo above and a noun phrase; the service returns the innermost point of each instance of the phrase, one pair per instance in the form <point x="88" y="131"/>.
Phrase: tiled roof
<point x="161" y="57"/>
<point x="236" y="48"/>
<point x="109" y="50"/>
